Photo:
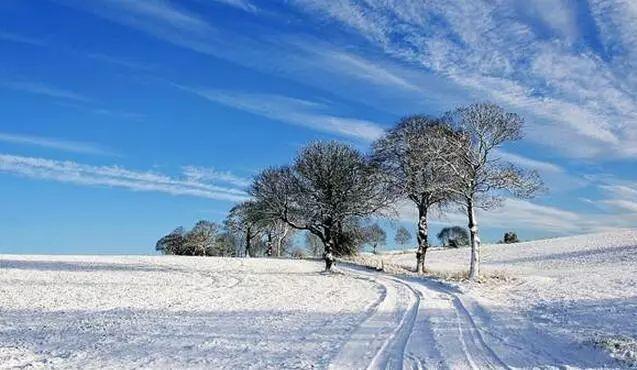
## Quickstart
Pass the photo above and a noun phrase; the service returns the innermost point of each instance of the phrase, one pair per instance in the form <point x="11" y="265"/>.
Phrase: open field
<point x="552" y="302"/>
<point x="79" y="312"/>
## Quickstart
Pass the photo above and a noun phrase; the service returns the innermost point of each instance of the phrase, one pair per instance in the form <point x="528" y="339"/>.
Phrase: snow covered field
<point x="129" y="312"/>
<point x="575" y="289"/>
<point x="557" y="298"/>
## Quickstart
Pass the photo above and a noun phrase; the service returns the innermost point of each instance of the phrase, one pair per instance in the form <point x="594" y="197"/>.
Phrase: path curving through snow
<point x="424" y="324"/>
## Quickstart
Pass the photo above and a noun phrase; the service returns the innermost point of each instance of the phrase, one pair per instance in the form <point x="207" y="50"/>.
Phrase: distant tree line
<point x="331" y="190"/>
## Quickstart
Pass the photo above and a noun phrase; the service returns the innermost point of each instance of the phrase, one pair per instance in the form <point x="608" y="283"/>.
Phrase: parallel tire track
<point x="434" y="330"/>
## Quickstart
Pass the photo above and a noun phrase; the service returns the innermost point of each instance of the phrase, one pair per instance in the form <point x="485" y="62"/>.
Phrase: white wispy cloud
<point x="241" y="4"/>
<point x="119" y="61"/>
<point x="566" y="90"/>
<point x="622" y="204"/>
<point x="326" y="56"/>
<point x="115" y="176"/>
<point x="293" y="111"/>
<point x="21" y="39"/>
<point x="46" y="90"/>
<point x="529" y="163"/>
<point x="54" y="143"/>
<point x="157" y="18"/>
<point x="199" y="174"/>
<point x="620" y="195"/>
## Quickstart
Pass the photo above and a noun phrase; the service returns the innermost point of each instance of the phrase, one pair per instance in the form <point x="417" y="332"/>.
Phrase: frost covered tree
<point x="327" y="189"/>
<point x="415" y="154"/>
<point x="374" y="235"/>
<point x="403" y="236"/>
<point x="172" y="243"/>
<point x="453" y="236"/>
<point x="482" y="177"/>
<point x="277" y="232"/>
<point x="226" y="245"/>
<point x="201" y="239"/>
<point x="244" y="219"/>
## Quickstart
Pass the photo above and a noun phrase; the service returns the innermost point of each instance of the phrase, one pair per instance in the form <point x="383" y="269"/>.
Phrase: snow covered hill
<point x="582" y="287"/>
<point x="555" y="304"/>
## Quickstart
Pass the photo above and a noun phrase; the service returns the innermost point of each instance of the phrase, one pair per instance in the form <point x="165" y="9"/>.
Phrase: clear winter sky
<point x="120" y="120"/>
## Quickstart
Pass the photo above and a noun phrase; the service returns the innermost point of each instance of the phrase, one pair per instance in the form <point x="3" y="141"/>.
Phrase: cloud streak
<point x="117" y="177"/>
<point x="240" y="4"/>
<point x="52" y="143"/>
<point x="21" y="39"/>
<point x="293" y="111"/>
<point x="46" y="90"/>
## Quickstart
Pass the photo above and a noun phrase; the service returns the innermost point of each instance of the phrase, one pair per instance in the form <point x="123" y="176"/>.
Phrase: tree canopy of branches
<point x="403" y="236"/>
<point x="415" y="154"/>
<point x="244" y="220"/>
<point x="172" y="243"/>
<point x="453" y="237"/>
<point x="374" y="235"/>
<point x="201" y="240"/>
<point x="482" y="177"/>
<point x="328" y="188"/>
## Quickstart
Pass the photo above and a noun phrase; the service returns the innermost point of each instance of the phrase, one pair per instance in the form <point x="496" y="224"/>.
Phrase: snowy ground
<point x="167" y="312"/>
<point x="557" y="298"/>
<point x="574" y="290"/>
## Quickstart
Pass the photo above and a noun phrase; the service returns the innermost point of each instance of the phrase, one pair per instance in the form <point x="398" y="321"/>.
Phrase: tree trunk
<point x="422" y="239"/>
<point x="328" y="254"/>
<point x="280" y="240"/>
<point x="248" y="242"/>
<point x="474" y="269"/>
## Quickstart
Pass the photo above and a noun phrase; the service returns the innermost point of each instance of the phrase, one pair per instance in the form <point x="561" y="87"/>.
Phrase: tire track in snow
<point x="432" y="330"/>
<point x="379" y="341"/>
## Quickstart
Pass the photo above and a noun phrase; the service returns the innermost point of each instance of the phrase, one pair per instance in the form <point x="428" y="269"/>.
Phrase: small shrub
<point x="511" y="237"/>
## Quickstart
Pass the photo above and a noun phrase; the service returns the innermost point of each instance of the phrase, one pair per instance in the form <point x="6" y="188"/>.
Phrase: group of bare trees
<point x="204" y="239"/>
<point x="242" y="234"/>
<point x="453" y="160"/>
<point x="433" y="162"/>
<point x="436" y="163"/>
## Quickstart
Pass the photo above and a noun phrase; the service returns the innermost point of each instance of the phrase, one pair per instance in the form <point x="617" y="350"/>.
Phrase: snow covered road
<point x="424" y="324"/>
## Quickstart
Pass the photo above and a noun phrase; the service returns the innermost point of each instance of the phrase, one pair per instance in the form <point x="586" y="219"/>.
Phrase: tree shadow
<point x="156" y="338"/>
<point x="78" y="266"/>
<point x="619" y="254"/>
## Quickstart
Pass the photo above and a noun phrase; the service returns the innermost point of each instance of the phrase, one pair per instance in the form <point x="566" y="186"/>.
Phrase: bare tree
<point x="329" y="185"/>
<point x="374" y="235"/>
<point x="483" y="177"/>
<point x="200" y="240"/>
<point x="415" y="153"/>
<point x="244" y="219"/>
<point x="403" y="236"/>
<point x="172" y="243"/>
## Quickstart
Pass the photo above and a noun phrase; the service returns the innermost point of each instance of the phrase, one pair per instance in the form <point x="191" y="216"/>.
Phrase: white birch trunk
<point x="474" y="268"/>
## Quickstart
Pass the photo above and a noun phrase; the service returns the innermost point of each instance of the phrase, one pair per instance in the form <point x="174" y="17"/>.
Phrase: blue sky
<point x="121" y="120"/>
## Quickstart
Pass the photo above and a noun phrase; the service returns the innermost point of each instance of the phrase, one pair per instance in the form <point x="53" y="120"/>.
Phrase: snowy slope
<point x="167" y="312"/>
<point x="578" y="289"/>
